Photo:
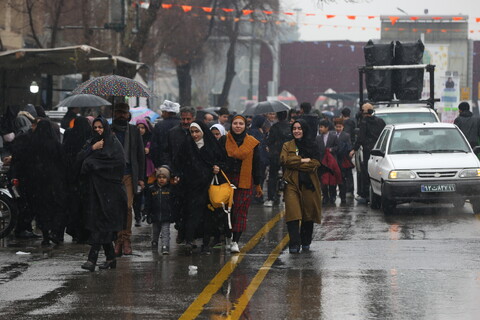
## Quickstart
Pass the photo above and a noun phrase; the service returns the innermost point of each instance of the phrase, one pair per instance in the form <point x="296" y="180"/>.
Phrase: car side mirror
<point x="476" y="149"/>
<point x="378" y="153"/>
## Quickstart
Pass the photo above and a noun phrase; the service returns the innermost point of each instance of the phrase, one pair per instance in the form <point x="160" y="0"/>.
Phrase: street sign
<point x="465" y="93"/>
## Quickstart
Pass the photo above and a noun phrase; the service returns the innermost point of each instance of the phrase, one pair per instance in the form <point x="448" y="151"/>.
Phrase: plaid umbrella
<point x="141" y="113"/>
<point x="113" y="86"/>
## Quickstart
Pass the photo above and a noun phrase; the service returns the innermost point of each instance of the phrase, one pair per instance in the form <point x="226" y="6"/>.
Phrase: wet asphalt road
<point x="421" y="262"/>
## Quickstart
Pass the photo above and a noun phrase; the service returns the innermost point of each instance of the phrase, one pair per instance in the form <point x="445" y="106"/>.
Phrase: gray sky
<point x="352" y="29"/>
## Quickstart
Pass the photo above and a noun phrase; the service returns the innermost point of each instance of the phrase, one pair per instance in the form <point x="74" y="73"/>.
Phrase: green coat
<point x="300" y="203"/>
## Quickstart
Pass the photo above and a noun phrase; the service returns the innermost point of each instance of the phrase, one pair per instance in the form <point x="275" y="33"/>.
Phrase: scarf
<point x="200" y="143"/>
<point x="242" y="152"/>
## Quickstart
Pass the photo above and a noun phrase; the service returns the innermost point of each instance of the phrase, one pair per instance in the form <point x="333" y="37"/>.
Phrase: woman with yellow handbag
<point x="200" y="158"/>
<point x="243" y="170"/>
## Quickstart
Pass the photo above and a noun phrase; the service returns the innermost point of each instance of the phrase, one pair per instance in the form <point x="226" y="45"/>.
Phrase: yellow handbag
<point x="221" y="195"/>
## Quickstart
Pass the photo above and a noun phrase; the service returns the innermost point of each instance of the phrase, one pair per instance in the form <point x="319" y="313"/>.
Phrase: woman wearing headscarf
<point x="102" y="165"/>
<point x="74" y="140"/>
<point x="200" y="159"/>
<point x="303" y="197"/>
<point x="243" y="170"/>
<point x="145" y="129"/>
<point x="47" y="184"/>
<point x="218" y="130"/>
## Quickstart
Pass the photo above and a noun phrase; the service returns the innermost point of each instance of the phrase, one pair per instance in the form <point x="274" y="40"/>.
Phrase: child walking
<point x="159" y="202"/>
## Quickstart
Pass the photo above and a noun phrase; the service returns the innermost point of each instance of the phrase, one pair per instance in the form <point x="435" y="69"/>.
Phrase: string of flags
<point x="249" y="12"/>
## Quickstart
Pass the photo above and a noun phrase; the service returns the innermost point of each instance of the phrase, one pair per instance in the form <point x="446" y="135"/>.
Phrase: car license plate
<point x="438" y="187"/>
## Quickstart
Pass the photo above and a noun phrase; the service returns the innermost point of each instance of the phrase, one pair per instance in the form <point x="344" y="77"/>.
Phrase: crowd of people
<point x="99" y="179"/>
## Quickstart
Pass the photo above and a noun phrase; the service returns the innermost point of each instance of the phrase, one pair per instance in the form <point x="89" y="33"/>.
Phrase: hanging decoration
<point x="246" y="12"/>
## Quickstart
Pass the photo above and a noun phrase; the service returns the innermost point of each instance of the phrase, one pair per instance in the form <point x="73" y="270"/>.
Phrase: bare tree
<point x="182" y="36"/>
<point x="231" y="29"/>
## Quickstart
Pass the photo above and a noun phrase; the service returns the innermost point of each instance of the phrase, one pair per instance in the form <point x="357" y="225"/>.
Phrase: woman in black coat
<point x="47" y="183"/>
<point x="73" y="142"/>
<point x="102" y="165"/>
<point x="200" y="158"/>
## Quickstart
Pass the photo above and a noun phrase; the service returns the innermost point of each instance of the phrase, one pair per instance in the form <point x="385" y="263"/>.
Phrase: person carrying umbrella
<point x="134" y="175"/>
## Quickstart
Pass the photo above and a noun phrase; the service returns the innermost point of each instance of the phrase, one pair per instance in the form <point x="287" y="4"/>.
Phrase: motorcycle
<point x="8" y="209"/>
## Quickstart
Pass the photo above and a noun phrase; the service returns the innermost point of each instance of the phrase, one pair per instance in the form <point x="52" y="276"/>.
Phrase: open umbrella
<point x="113" y="85"/>
<point x="141" y="113"/>
<point x="83" y="100"/>
<point x="267" y="107"/>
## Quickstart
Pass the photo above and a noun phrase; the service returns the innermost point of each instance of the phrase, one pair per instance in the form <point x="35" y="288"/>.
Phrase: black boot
<point x="111" y="262"/>
<point x="46" y="238"/>
<point x="92" y="258"/>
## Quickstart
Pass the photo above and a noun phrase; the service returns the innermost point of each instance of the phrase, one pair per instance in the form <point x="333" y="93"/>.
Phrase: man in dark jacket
<point x="175" y="138"/>
<point x="279" y="133"/>
<point x="134" y="175"/>
<point x="160" y="132"/>
<point x="311" y="118"/>
<point x="348" y="124"/>
<point x="469" y="124"/>
<point x="177" y="135"/>
<point x="370" y="128"/>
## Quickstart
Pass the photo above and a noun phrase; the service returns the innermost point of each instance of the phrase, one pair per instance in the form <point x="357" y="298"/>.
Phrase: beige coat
<point x="300" y="203"/>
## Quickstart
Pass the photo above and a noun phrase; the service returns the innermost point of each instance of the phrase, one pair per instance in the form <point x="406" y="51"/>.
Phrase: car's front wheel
<point x="374" y="200"/>
<point x="475" y="205"/>
<point x="388" y="206"/>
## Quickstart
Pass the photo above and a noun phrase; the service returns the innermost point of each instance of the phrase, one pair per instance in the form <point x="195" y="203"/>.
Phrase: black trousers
<point x="300" y="234"/>
<point x="273" y="180"/>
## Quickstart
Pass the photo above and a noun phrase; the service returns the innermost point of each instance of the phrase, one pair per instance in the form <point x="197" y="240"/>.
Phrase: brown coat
<point x="300" y="204"/>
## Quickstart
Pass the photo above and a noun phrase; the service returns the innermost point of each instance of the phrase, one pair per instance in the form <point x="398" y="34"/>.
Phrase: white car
<point x="423" y="162"/>
<point x="406" y="114"/>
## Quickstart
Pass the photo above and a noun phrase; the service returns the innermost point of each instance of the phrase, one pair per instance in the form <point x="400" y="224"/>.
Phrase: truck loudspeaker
<point x="408" y="83"/>
<point x="379" y="82"/>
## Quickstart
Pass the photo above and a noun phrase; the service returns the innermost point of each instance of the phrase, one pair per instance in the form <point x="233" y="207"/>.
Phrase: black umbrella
<point x="83" y="101"/>
<point x="266" y="107"/>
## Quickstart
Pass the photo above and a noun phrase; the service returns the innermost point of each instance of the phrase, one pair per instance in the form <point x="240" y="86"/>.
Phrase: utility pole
<point x="250" y="76"/>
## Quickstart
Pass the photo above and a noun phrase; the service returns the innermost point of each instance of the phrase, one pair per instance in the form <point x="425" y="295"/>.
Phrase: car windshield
<point x="427" y="140"/>
<point x="407" y="117"/>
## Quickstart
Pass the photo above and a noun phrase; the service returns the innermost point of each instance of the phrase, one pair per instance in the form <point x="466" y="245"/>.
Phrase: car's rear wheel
<point x="388" y="206"/>
<point x="374" y="200"/>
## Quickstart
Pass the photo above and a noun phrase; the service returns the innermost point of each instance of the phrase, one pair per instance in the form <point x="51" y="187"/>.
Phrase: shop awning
<point x="66" y="60"/>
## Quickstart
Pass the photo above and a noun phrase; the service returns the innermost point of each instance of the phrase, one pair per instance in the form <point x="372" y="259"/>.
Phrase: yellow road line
<point x="243" y="301"/>
<point x="216" y="283"/>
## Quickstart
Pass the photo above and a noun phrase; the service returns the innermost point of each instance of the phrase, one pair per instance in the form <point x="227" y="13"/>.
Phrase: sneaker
<point x="138" y="223"/>
<point x="361" y="200"/>
<point x="268" y="203"/>
<point x="294" y="249"/>
<point x="234" y="247"/>
<point x="165" y="250"/>
<point x="305" y="248"/>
